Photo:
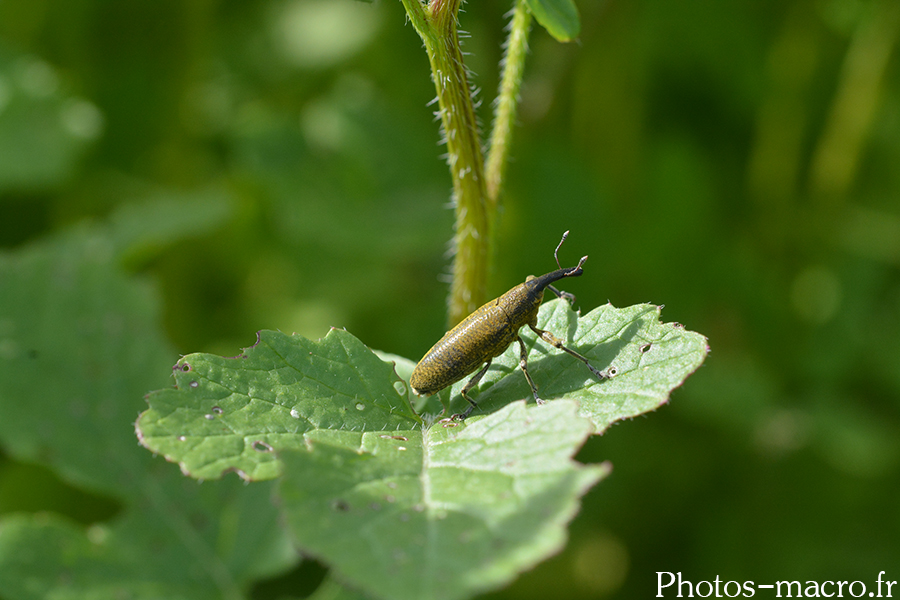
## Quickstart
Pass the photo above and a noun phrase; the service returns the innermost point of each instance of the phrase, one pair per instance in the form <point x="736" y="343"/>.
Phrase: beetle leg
<point x="561" y="294"/>
<point x="557" y="343"/>
<point x="472" y="383"/>
<point x="523" y="362"/>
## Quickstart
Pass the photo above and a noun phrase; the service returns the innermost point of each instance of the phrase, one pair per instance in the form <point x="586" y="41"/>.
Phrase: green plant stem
<point x="507" y="102"/>
<point x="436" y="25"/>
<point x="863" y="81"/>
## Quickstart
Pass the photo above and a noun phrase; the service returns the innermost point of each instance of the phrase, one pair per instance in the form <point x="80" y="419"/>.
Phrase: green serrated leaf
<point x="234" y="414"/>
<point x="442" y="512"/>
<point x="558" y="17"/>
<point x="646" y="358"/>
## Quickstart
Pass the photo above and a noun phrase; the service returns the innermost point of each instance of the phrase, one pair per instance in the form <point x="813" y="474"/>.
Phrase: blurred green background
<point x="736" y="161"/>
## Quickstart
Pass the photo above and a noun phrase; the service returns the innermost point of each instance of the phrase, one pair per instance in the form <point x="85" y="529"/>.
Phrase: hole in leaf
<point x="261" y="446"/>
<point x="645" y="348"/>
<point x="217" y="410"/>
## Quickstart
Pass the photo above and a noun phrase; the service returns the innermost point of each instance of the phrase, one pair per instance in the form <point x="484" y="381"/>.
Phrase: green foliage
<point x="442" y="512"/>
<point x="481" y="500"/>
<point x="236" y="414"/>
<point x="233" y="413"/>
<point x="735" y="160"/>
<point x="66" y="298"/>
<point x="646" y="358"/>
<point x="471" y="504"/>
<point x="398" y="507"/>
<point x="558" y="17"/>
<point x="80" y="344"/>
<point x="43" y="129"/>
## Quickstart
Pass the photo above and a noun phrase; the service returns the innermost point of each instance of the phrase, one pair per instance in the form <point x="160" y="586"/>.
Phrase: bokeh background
<point x="736" y="161"/>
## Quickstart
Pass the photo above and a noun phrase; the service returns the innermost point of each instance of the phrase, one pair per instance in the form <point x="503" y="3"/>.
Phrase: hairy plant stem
<point x="476" y="197"/>
<point x="507" y="102"/>
<point x="436" y="25"/>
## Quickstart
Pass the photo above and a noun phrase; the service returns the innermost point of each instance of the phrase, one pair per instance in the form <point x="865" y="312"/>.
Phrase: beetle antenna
<point x="565" y="235"/>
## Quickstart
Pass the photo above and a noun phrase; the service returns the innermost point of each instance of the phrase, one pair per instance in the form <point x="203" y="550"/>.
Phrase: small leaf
<point x="648" y="359"/>
<point x="558" y="17"/>
<point x="444" y="512"/>
<point x="235" y="413"/>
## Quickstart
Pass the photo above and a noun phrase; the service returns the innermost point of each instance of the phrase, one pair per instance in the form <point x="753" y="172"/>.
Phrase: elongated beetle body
<point x="488" y="332"/>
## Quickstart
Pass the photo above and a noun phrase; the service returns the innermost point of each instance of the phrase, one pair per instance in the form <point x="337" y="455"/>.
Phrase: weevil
<point x="488" y="332"/>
